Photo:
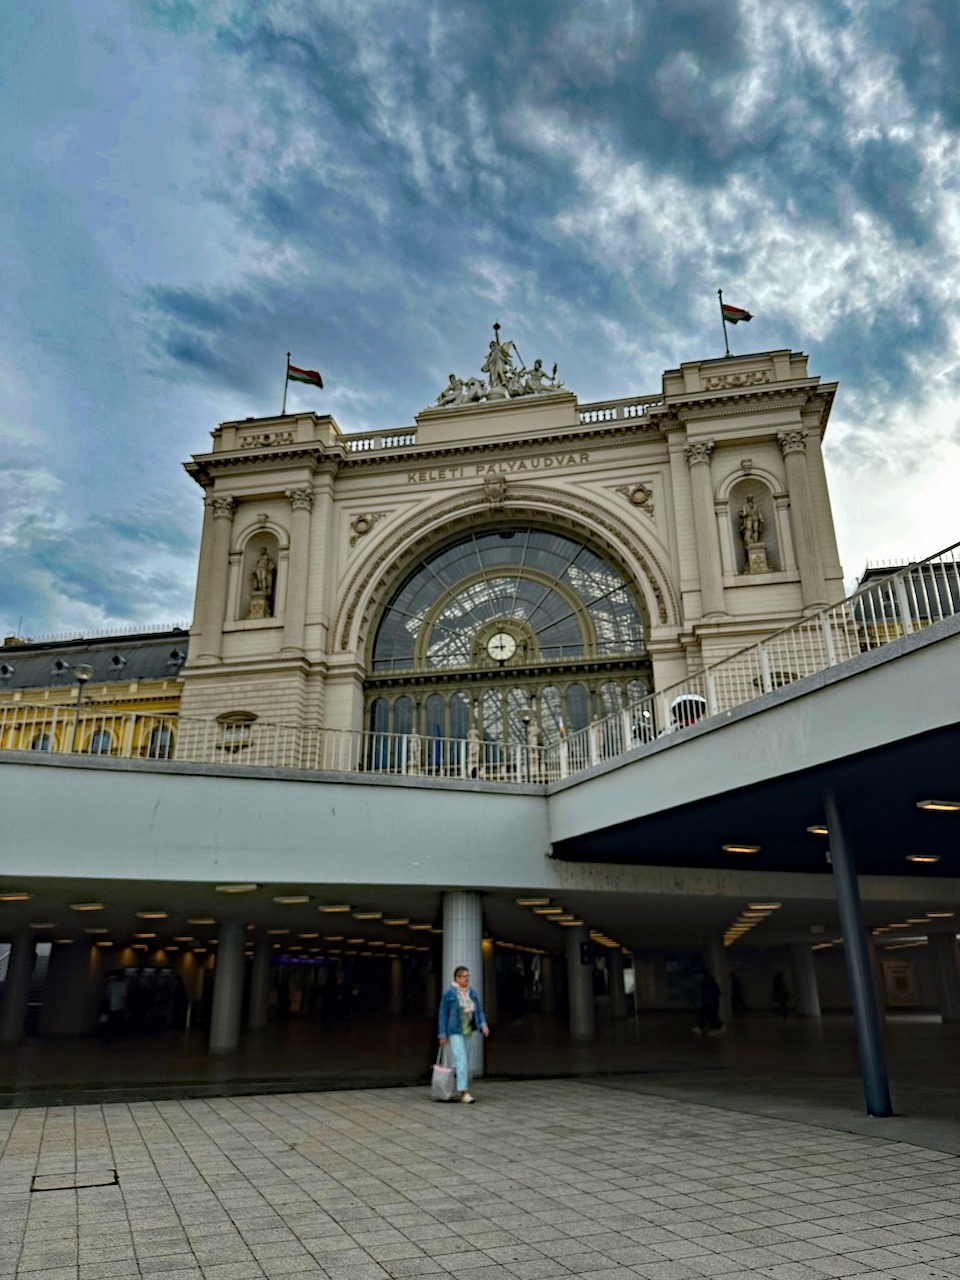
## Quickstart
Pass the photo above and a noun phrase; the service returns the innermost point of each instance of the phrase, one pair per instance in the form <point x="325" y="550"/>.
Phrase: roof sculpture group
<point x="507" y="378"/>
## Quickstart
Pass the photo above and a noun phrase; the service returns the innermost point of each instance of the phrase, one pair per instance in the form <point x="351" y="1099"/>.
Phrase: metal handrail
<point x="877" y="613"/>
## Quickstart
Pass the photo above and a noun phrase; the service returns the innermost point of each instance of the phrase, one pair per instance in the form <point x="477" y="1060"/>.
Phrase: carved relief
<point x="553" y="503"/>
<point x="723" y="381"/>
<point x="638" y="495"/>
<point x="494" y="491"/>
<point x="791" y="442"/>
<point x="223" y="508"/>
<point x="700" y="451"/>
<point x="261" y="439"/>
<point x="300" y="499"/>
<point x="361" y="525"/>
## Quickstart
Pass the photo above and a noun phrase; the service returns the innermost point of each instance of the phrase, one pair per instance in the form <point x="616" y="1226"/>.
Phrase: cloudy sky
<point x="193" y="188"/>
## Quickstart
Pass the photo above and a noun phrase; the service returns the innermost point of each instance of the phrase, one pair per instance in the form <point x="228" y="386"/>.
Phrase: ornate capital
<point x="223" y="508"/>
<point x="791" y="442"/>
<point x="700" y="451"/>
<point x="301" y="499"/>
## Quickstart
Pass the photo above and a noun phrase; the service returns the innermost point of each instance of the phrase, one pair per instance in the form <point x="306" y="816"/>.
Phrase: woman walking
<point x="461" y="1013"/>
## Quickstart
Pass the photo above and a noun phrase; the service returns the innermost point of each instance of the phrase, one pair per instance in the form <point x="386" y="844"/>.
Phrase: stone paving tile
<point x="543" y="1181"/>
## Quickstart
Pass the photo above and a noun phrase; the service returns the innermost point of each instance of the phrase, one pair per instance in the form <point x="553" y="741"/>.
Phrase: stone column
<point x="618" y="997"/>
<point x="259" y="986"/>
<point x="489" y="980"/>
<point x="71" y="990"/>
<point x="699" y="453"/>
<point x="462" y="937"/>
<point x="946" y="973"/>
<point x="227" y="989"/>
<point x="805" y="980"/>
<point x="212" y="588"/>
<point x="813" y="588"/>
<point x="719" y="966"/>
<point x="580" y="982"/>
<point x="295" y="605"/>
<point x="16" y="988"/>
<point x="548" y="986"/>
<point x="396" y="986"/>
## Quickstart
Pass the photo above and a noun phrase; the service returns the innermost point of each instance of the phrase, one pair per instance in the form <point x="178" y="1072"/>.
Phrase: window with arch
<point x="516" y="594"/>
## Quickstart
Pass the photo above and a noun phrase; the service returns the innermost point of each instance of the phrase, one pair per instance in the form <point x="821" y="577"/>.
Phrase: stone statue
<point x="499" y="362"/>
<point x="538" y="380"/>
<point x="263" y="572"/>
<point x="751" y="522"/>
<point x="453" y="393"/>
<point x="533" y="735"/>
<point x="473" y="752"/>
<point x="413" y="753"/>
<point x="262" y="578"/>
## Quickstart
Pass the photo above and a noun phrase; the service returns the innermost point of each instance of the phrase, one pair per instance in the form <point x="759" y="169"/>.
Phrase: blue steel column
<point x="462" y="944"/>
<point x="873" y="1066"/>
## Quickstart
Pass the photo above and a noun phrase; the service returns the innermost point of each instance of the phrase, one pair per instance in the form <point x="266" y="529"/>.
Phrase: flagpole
<point x="283" y="411"/>
<point x="723" y="319"/>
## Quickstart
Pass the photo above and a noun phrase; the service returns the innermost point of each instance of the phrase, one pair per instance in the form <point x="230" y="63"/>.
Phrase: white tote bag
<point x="443" y="1084"/>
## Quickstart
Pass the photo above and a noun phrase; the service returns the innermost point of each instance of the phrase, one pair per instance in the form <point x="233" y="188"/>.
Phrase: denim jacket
<point x="449" y="1023"/>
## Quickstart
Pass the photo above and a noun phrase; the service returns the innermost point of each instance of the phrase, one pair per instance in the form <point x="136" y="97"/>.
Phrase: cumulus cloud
<point x="202" y="187"/>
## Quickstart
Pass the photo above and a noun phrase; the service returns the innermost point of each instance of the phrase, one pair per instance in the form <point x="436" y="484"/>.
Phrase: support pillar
<point x="580" y="982"/>
<point x="298" y="566"/>
<point x="856" y="951"/>
<point x="259" y="986"/>
<point x="618" y="997"/>
<point x="946" y="973"/>
<point x="462" y="937"/>
<point x="72" y="990"/>
<point x="227" y="989"/>
<point x="803" y="523"/>
<point x="699" y="453"/>
<point x="719" y="966"/>
<point x="548" y="986"/>
<point x="805" y="980"/>
<point x="212" y="591"/>
<point x="489" y="980"/>
<point x="16" y="988"/>
<point x="396" y="986"/>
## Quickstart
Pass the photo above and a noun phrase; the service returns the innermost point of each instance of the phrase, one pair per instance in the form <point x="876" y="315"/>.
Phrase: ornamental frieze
<point x="262" y="439"/>
<point x="726" y="381"/>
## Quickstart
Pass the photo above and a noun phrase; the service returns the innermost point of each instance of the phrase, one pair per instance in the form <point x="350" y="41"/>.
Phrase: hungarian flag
<point x="733" y="315"/>
<point x="310" y="375"/>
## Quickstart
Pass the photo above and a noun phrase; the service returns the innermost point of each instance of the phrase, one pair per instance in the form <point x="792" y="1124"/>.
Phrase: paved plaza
<point x="540" y="1180"/>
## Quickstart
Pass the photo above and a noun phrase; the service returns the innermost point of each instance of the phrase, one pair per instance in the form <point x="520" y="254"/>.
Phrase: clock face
<point x="502" y="646"/>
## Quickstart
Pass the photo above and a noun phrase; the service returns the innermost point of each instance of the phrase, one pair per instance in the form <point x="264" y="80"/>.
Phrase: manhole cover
<point x="74" y="1181"/>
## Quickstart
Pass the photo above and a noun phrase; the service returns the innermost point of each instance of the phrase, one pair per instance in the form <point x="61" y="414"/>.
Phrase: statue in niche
<point x="262" y="579"/>
<point x="751" y="531"/>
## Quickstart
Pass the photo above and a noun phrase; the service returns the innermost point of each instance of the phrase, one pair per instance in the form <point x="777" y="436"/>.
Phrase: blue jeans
<point x="458" y="1051"/>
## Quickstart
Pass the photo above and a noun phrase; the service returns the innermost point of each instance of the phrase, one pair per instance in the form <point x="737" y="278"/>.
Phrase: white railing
<point x="918" y="596"/>
<point x="616" y="410"/>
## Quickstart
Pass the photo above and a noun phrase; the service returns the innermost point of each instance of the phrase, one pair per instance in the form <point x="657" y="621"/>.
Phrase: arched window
<point x="42" y="742"/>
<point x="100" y="743"/>
<point x="160" y="743"/>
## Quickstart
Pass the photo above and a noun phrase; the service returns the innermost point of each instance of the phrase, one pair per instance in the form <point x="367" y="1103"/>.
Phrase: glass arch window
<point x="557" y="598"/>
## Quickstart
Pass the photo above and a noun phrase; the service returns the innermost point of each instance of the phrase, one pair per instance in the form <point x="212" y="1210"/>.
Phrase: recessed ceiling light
<point x="103" y="943"/>
<point x="397" y="920"/>
<point x="917" y="919"/>
<point x="355" y="942"/>
<point x="236" y="888"/>
<point x="741" y="848"/>
<point x="334" y="909"/>
<point x="566" y="924"/>
<point x="96" y="931"/>
<point x="940" y="806"/>
<point x="170" y="947"/>
<point x="144" y="935"/>
<point x="368" y="915"/>
<point x="923" y="857"/>
<point x="201" y="920"/>
<point x="151" y="915"/>
<point x="183" y="937"/>
<point x="532" y="902"/>
<point x="17" y="895"/>
<point x="333" y="937"/>
<point x="548" y="911"/>
<point x="376" y="942"/>
<point x="818" y="829"/>
<point x="140" y="946"/>
<point x="295" y="947"/>
<point x="43" y="924"/>
<point x="63" y="942"/>
<point x="898" y="926"/>
<point x="764" y="906"/>
<point x="277" y="932"/>
<point x="420" y="927"/>
<point x="86" y="906"/>
<point x="308" y="935"/>
<point x="199" y="951"/>
<point x="940" y="915"/>
<point x="292" y="899"/>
